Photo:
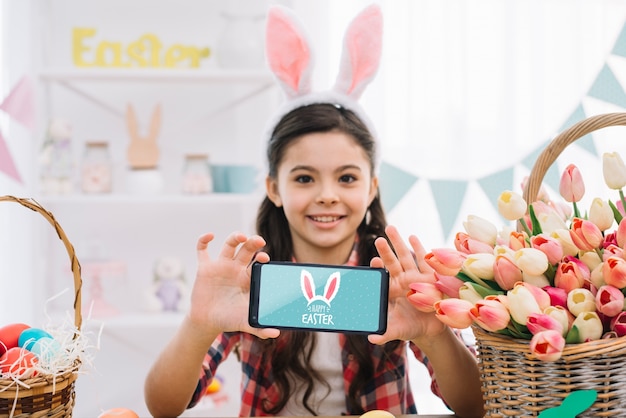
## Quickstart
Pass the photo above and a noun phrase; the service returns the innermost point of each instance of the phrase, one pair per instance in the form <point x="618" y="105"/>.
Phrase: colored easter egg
<point x="45" y="348"/>
<point x="377" y="413"/>
<point x="18" y="362"/>
<point x="118" y="413"/>
<point x="214" y="386"/>
<point x="30" y="335"/>
<point x="9" y="336"/>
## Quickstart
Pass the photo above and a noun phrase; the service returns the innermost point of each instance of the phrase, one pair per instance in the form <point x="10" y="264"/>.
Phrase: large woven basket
<point x="45" y="396"/>
<point x="514" y="383"/>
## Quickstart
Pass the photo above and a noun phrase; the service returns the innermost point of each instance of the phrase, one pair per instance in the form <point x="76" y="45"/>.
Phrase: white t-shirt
<point x="326" y="359"/>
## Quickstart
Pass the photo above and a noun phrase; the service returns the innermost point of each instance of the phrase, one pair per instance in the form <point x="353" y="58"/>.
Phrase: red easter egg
<point x="19" y="362"/>
<point x="118" y="413"/>
<point x="10" y="335"/>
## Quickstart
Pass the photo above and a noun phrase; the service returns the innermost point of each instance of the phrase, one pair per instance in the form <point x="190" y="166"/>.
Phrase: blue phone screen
<point x="321" y="297"/>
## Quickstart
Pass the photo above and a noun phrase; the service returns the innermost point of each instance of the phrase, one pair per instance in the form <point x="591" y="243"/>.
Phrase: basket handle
<point x="558" y="144"/>
<point x="33" y="205"/>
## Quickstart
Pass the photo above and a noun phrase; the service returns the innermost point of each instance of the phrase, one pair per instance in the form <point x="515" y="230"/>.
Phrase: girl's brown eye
<point x="347" y="178"/>
<point x="304" y="179"/>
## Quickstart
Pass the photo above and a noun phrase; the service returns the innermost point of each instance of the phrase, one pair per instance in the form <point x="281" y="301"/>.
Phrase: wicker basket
<point x="516" y="384"/>
<point x="45" y="396"/>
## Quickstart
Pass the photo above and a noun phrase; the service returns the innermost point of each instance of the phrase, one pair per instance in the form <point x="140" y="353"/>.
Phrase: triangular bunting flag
<point x="494" y="184"/>
<point x="607" y="88"/>
<point x="620" y="45"/>
<point x="20" y="103"/>
<point x="448" y="196"/>
<point x="394" y="184"/>
<point x="7" y="165"/>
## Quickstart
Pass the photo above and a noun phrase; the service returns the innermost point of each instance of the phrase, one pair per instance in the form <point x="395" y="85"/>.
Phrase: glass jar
<point x="96" y="168"/>
<point x="197" y="174"/>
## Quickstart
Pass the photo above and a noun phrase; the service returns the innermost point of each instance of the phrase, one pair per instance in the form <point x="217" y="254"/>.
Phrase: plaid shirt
<point x="390" y="389"/>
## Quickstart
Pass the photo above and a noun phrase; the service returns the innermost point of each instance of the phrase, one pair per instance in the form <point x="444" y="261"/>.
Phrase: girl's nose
<point x="327" y="195"/>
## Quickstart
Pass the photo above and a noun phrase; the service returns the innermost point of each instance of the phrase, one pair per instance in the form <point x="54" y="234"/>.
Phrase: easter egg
<point x="377" y="413"/>
<point x="9" y="336"/>
<point x="30" y="335"/>
<point x="214" y="386"/>
<point x="45" y="348"/>
<point x="118" y="413"/>
<point x="18" y="362"/>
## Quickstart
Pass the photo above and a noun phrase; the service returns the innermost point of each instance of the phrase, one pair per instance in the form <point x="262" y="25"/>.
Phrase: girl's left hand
<point x="404" y="321"/>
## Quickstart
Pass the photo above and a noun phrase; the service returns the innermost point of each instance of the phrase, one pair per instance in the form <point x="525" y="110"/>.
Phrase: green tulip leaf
<point x="534" y="221"/>
<point x="616" y="213"/>
<point x="482" y="290"/>
<point x="573" y="335"/>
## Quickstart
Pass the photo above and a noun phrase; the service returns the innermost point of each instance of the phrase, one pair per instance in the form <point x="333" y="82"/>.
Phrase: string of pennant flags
<point x="449" y="195"/>
<point x="396" y="182"/>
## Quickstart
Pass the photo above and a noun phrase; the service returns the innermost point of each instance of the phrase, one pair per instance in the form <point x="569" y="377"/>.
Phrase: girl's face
<point x="325" y="185"/>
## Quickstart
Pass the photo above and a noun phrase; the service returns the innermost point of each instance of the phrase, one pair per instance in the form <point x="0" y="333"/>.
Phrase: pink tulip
<point x="424" y="295"/>
<point x="454" y="312"/>
<point x="547" y="345"/>
<point x="505" y="272"/>
<point x="586" y="327"/>
<point x="571" y="273"/>
<point x="445" y="261"/>
<point x="609" y="300"/>
<point x="551" y="247"/>
<point x="581" y="300"/>
<point x="540" y="295"/>
<point x="558" y="296"/>
<point x="614" y="271"/>
<point x="620" y="234"/>
<point x="467" y="245"/>
<point x="585" y="234"/>
<point x="517" y="240"/>
<point x="572" y="186"/>
<point x="564" y="237"/>
<point x="490" y="314"/>
<point x="448" y="285"/>
<point x="611" y="250"/>
<point x="618" y="324"/>
<point x="538" y="322"/>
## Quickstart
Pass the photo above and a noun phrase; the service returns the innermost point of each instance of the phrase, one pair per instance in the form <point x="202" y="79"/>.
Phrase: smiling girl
<point x="322" y="206"/>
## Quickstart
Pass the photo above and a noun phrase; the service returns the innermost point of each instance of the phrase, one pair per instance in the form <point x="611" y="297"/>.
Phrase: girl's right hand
<point x="221" y="292"/>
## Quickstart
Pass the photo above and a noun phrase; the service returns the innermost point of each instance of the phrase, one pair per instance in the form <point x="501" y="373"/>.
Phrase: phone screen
<point x="319" y="297"/>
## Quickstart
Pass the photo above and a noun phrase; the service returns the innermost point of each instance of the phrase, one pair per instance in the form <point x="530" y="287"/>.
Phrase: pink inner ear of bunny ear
<point x="288" y="52"/>
<point x="362" y="51"/>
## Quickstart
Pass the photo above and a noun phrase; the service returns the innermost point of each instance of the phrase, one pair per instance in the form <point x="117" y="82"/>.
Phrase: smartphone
<point x="316" y="297"/>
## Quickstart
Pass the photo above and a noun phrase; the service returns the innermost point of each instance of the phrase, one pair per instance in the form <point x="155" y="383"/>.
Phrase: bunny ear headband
<point x="291" y="60"/>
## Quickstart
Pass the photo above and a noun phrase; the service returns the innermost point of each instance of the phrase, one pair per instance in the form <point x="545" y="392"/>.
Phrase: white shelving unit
<point x="220" y="112"/>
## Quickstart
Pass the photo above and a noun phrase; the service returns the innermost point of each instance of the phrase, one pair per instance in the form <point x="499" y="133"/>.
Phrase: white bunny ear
<point x="288" y="52"/>
<point x="361" y="52"/>
<point x="307" y="285"/>
<point x="332" y="286"/>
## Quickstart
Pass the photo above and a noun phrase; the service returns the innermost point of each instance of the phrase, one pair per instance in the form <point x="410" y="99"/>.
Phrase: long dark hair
<point x="294" y="349"/>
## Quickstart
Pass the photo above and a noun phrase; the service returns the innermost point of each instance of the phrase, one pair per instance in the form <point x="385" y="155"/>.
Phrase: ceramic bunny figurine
<point x="143" y="151"/>
<point x="330" y="290"/>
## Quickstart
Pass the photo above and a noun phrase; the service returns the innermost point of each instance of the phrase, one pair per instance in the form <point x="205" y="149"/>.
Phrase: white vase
<point x="241" y="43"/>
<point x="144" y="181"/>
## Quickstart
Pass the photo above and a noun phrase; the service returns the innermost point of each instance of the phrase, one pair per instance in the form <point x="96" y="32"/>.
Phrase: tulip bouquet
<point x="558" y="278"/>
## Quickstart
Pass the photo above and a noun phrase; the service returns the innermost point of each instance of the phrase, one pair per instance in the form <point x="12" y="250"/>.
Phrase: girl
<point x="322" y="206"/>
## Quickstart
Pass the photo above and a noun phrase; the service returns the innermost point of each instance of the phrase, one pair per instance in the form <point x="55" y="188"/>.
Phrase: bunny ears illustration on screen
<point x="290" y="58"/>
